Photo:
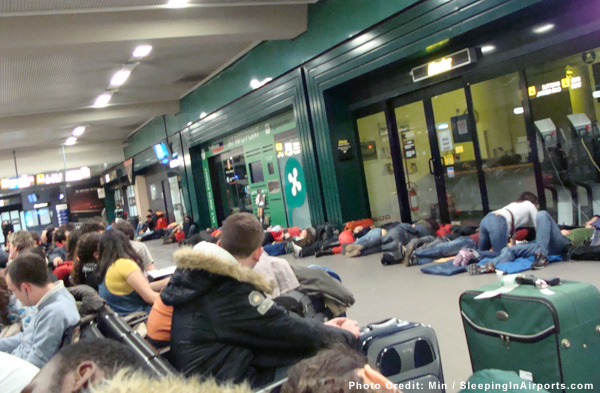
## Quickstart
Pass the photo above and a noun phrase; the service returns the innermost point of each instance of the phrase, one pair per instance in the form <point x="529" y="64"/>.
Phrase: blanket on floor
<point x="517" y="266"/>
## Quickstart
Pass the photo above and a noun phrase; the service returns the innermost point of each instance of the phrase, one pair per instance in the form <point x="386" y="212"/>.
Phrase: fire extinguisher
<point x="413" y="198"/>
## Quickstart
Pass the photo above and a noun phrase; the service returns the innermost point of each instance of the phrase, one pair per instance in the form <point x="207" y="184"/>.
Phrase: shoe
<point x="475" y="269"/>
<point x="412" y="260"/>
<point x="540" y="262"/>
<point x="391" y="258"/>
<point x="353" y="250"/>
<point x="288" y="247"/>
<point x="320" y="253"/>
<point x="296" y="250"/>
<point x="463" y="257"/>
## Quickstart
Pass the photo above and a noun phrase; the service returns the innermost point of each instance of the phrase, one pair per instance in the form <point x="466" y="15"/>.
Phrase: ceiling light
<point x="203" y="115"/>
<point x="443" y="126"/>
<point x="519" y="111"/>
<point x="255" y="83"/>
<point x="102" y="100"/>
<point x="78" y="131"/>
<point x="177" y="3"/>
<point x="70" y="141"/>
<point x="142" y="51"/>
<point x="189" y="123"/>
<point x="488" y="48"/>
<point x="120" y="77"/>
<point x="543" y="28"/>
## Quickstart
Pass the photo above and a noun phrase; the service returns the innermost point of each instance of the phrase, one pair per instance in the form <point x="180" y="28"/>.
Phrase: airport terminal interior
<point x="427" y="169"/>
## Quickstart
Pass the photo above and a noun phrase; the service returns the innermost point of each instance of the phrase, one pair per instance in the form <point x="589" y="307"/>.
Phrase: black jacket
<point x="223" y="326"/>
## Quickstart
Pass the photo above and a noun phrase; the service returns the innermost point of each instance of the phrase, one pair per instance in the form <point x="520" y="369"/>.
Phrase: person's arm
<point x="48" y="331"/>
<point x="265" y="325"/>
<point x="158" y="285"/>
<point x="533" y="211"/>
<point x="140" y="284"/>
<point x="9" y="344"/>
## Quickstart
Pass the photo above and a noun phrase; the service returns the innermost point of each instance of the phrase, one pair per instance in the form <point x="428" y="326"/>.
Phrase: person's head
<point x="47" y="234"/>
<point x="36" y="237"/>
<point x="114" y="245"/>
<point x="338" y="369"/>
<point x="78" y="366"/>
<point x="148" y="217"/>
<point x="60" y="236"/>
<point x="72" y="240"/>
<point x="4" y="302"/>
<point x="528" y="196"/>
<point x="86" y="253"/>
<point x="242" y="236"/>
<point x="126" y="227"/>
<point x="27" y="278"/>
<point x="19" y="242"/>
<point x="138" y="382"/>
<point x="92" y="225"/>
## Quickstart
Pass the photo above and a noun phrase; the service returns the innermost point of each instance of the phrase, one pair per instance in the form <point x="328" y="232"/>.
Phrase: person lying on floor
<point x="378" y="240"/>
<point x="290" y="235"/>
<point x="550" y="240"/>
<point x="321" y="248"/>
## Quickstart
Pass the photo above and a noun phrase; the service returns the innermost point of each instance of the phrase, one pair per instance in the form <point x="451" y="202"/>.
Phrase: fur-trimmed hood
<point x="126" y="382"/>
<point x="209" y="258"/>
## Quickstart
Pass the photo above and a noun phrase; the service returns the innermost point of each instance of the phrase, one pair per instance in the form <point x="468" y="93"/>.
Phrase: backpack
<point x="326" y="231"/>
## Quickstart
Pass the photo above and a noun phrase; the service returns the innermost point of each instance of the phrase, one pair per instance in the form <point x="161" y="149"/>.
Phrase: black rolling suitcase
<point x="407" y="353"/>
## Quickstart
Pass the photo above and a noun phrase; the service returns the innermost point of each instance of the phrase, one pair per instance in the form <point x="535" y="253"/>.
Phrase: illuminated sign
<point x="40" y="205"/>
<point x="570" y="82"/>
<point x="78" y="174"/>
<point x="17" y="182"/>
<point x="445" y="64"/>
<point x="49" y="178"/>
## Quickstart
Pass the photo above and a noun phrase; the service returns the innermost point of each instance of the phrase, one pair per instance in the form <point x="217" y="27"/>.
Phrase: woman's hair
<point x="528" y="196"/>
<point x="84" y="254"/>
<point x="22" y="240"/>
<point x="114" y="245"/>
<point x="72" y="240"/>
<point x="4" y="302"/>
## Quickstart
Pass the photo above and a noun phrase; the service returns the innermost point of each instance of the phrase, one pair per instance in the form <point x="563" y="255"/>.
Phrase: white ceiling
<point x="57" y="56"/>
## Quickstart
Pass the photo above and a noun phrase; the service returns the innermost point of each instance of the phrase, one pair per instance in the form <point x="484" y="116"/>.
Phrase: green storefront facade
<point x="353" y="62"/>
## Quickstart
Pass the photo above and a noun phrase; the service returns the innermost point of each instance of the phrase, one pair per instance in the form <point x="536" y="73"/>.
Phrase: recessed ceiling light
<point x="488" y="48"/>
<point x="189" y="123"/>
<point x="203" y="115"/>
<point x="519" y="110"/>
<point x="142" y="51"/>
<point x="543" y="28"/>
<point x="120" y="77"/>
<point x="78" y="131"/>
<point x="70" y="141"/>
<point x="102" y="100"/>
<point x="177" y="3"/>
<point x="255" y="83"/>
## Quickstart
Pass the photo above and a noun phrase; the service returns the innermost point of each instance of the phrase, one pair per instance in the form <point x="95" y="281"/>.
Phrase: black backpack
<point x="326" y="231"/>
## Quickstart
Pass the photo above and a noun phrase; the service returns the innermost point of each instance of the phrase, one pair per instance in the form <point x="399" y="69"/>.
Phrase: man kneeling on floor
<point x="55" y="310"/>
<point x="224" y="326"/>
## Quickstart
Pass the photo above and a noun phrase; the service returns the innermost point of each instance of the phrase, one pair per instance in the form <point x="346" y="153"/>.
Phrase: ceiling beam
<point x="251" y="23"/>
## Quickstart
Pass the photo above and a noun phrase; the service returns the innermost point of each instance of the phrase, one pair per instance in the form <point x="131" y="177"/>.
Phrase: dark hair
<point x="329" y="371"/>
<point x="92" y="225"/>
<point x="84" y="254"/>
<point x="60" y="235"/>
<point x="109" y="355"/>
<point x="528" y="196"/>
<point x="49" y="233"/>
<point x="35" y="236"/>
<point x="114" y="245"/>
<point x="4" y="302"/>
<point x="241" y="234"/>
<point x="126" y="227"/>
<point x="72" y="240"/>
<point x="30" y="268"/>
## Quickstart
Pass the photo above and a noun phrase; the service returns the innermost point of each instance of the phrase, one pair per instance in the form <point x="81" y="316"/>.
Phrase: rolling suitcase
<point x="407" y="353"/>
<point x="548" y="335"/>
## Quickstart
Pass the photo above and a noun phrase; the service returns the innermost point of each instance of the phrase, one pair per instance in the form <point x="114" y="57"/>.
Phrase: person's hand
<point x="358" y="229"/>
<point x="588" y="224"/>
<point x="346" y="324"/>
<point x="57" y="261"/>
<point x="565" y="232"/>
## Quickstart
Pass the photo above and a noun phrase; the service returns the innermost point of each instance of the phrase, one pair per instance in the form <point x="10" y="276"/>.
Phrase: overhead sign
<point x="445" y="64"/>
<point x="570" y="82"/>
<point x="17" y="182"/>
<point x="49" y="178"/>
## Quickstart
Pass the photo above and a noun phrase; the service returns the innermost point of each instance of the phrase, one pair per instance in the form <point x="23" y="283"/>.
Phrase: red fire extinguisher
<point x="413" y="198"/>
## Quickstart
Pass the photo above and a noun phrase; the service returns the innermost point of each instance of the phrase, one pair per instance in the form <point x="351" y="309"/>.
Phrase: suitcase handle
<point x="383" y="324"/>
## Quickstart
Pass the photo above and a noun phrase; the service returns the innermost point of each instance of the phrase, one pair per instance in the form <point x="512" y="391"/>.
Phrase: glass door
<point x="457" y="152"/>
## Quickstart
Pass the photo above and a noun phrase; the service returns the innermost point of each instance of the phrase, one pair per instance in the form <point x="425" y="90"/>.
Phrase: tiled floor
<point x="406" y="293"/>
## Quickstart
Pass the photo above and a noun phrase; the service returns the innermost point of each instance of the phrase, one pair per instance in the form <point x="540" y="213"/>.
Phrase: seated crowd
<point x="219" y="315"/>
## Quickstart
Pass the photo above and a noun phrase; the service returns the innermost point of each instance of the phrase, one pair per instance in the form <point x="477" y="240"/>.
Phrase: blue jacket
<point x="40" y="340"/>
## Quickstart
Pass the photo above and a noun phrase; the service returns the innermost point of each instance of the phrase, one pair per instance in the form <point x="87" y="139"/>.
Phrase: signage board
<point x="445" y="64"/>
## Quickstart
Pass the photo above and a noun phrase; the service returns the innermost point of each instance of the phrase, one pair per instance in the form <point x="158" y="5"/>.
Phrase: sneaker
<point x="540" y="262"/>
<point x="475" y="269"/>
<point x="391" y="258"/>
<point x="353" y="250"/>
<point x="296" y="249"/>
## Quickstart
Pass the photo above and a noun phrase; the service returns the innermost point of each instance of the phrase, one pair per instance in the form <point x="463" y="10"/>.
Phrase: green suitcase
<point x="552" y="338"/>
